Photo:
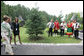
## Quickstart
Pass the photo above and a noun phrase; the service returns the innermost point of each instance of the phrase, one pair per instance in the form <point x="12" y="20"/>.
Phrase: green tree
<point x="35" y="24"/>
<point x="59" y="18"/>
<point x="76" y="17"/>
<point x="4" y="10"/>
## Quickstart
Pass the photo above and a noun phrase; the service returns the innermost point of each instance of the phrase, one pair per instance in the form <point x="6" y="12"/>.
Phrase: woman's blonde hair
<point x="5" y="17"/>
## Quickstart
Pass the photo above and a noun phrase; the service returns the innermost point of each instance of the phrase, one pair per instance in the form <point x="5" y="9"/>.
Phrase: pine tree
<point x="35" y="24"/>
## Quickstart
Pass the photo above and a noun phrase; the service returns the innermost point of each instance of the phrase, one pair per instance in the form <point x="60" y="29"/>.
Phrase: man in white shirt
<point x="6" y="32"/>
<point x="51" y="26"/>
<point x="63" y="25"/>
<point x="76" y="29"/>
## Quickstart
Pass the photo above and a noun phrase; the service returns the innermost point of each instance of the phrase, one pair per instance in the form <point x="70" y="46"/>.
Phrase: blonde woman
<point x="6" y="33"/>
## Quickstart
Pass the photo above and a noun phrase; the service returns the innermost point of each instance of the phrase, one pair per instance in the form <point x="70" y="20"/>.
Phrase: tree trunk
<point x="36" y="35"/>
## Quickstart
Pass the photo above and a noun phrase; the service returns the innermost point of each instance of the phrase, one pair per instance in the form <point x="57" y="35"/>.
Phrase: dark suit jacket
<point x="15" y="26"/>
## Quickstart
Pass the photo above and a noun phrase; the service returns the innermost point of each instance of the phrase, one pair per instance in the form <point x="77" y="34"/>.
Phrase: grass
<point x="45" y="38"/>
<point x="23" y="35"/>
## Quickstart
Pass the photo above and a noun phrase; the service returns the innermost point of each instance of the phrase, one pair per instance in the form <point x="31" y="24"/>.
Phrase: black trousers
<point x="73" y="31"/>
<point x="76" y="33"/>
<point x="50" y="32"/>
<point x="62" y="32"/>
<point x="56" y="31"/>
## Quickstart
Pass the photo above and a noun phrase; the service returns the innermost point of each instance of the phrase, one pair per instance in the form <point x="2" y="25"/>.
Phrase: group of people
<point x="72" y="28"/>
<point x="6" y="33"/>
<point x="7" y="29"/>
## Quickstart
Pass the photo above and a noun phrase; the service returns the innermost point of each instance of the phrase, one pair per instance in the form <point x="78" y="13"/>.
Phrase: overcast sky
<point x="52" y="7"/>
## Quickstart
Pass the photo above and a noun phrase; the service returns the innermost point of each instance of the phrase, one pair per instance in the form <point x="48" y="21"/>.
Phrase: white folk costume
<point x="6" y="32"/>
<point x="76" y="29"/>
<point x="63" y="25"/>
<point x="76" y="25"/>
<point x="51" y="26"/>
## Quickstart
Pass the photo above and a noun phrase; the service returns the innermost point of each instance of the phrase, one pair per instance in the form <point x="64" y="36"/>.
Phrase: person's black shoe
<point x="6" y="52"/>
<point x="12" y="47"/>
<point x="9" y="53"/>
<point x="79" y="39"/>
